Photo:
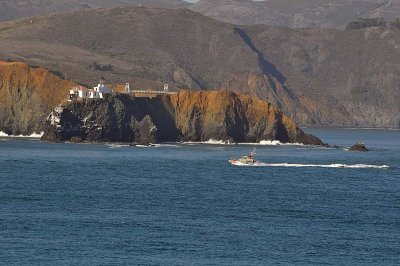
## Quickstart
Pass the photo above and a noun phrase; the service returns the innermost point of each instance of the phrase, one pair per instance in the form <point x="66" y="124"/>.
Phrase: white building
<point x="81" y="92"/>
<point x="102" y="89"/>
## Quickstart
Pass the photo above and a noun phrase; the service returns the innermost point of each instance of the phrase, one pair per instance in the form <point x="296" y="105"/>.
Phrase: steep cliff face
<point x="186" y="116"/>
<point x="27" y="95"/>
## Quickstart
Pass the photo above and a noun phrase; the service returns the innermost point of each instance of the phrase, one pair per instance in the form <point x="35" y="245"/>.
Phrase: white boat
<point x="245" y="160"/>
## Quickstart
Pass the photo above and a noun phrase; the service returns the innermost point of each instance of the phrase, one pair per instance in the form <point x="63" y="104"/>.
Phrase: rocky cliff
<point x="186" y="116"/>
<point x="27" y="95"/>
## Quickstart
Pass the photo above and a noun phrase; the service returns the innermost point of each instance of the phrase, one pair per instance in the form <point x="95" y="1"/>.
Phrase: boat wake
<point x="351" y="166"/>
<point x="261" y="143"/>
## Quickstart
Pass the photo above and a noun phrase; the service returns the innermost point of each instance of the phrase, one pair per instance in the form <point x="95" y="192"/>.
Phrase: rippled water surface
<point x="71" y="204"/>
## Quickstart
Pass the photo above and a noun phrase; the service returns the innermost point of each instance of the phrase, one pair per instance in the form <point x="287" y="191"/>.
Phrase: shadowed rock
<point x="186" y="116"/>
<point x="358" y="147"/>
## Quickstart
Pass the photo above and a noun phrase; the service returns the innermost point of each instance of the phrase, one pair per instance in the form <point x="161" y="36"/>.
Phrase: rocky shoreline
<point x="186" y="116"/>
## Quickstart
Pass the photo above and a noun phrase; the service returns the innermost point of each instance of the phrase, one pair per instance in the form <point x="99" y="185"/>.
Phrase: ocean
<point x="183" y="204"/>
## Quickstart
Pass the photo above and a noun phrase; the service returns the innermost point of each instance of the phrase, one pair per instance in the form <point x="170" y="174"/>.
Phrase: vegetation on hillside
<point x="362" y="23"/>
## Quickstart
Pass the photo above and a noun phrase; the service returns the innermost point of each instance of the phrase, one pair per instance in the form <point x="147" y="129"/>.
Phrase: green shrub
<point x="100" y="67"/>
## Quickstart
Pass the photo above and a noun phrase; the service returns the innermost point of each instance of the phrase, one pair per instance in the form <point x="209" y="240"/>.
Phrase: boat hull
<point x="240" y="163"/>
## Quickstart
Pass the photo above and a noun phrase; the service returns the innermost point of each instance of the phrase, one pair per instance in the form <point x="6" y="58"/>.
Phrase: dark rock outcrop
<point x="358" y="147"/>
<point x="186" y="116"/>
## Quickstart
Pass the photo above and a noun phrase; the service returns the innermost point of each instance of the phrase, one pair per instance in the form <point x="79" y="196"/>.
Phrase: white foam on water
<point x="153" y="145"/>
<point x="351" y="166"/>
<point x="210" y="141"/>
<point x="114" y="146"/>
<point x="147" y="146"/>
<point x="32" y="136"/>
<point x="273" y="143"/>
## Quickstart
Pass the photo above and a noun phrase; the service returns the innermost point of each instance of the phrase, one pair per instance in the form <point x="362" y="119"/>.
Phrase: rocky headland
<point x="185" y="116"/>
<point x="29" y="94"/>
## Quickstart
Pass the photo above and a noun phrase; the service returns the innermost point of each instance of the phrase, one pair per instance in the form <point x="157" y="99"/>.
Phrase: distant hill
<point x="15" y="9"/>
<point x="298" y="13"/>
<point x="317" y="76"/>
<point x="282" y="13"/>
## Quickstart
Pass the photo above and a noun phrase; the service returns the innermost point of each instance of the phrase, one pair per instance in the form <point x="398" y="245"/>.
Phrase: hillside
<point x="281" y="13"/>
<point x="349" y="76"/>
<point x="16" y="9"/>
<point x="144" y="46"/>
<point x="297" y="13"/>
<point x="317" y="76"/>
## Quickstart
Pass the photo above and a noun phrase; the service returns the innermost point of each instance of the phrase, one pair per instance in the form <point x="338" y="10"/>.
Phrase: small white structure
<point x="127" y="88"/>
<point x="80" y="92"/>
<point x="165" y="87"/>
<point x="101" y="88"/>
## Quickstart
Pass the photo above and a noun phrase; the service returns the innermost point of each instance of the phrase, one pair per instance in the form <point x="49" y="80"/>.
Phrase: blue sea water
<point x="99" y="204"/>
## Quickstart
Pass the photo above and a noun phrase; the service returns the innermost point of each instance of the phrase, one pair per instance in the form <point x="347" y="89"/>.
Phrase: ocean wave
<point x="210" y="142"/>
<point x="114" y="146"/>
<point x="32" y="136"/>
<point x="148" y="146"/>
<point x="158" y="146"/>
<point x="273" y="143"/>
<point x="351" y="166"/>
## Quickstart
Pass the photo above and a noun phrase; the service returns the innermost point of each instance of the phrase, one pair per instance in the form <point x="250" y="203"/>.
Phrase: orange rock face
<point x="186" y="116"/>
<point x="229" y="115"/>
<point x="27" y="95"/>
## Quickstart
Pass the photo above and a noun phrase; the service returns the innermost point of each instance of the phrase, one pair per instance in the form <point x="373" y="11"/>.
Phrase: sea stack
<point x="359" y="146"/>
